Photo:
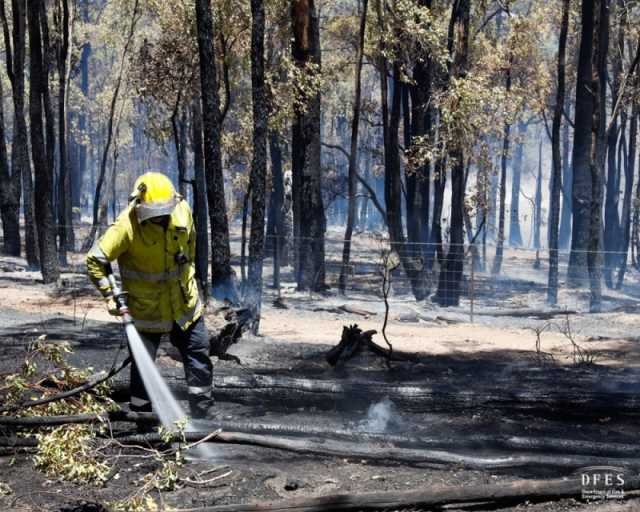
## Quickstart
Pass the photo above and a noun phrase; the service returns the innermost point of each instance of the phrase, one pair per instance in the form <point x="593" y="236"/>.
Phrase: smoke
<point x="381" y="417"/>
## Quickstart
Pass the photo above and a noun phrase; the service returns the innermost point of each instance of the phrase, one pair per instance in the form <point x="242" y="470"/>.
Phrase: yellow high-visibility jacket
<point x="156" y="267"/>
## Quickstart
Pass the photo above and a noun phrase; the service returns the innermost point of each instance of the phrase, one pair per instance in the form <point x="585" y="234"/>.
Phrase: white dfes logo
<point x="602" y="482"/>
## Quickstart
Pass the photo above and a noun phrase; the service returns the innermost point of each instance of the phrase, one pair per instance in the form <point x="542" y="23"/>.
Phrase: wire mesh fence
<point x="522" y="281"/>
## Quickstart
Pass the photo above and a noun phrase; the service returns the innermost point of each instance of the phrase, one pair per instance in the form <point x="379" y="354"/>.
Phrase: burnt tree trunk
<point x="628" y="191"/>
<point x="448" y="293"/>
<point x="222" y="276"/>
<point x="10" y="190"/>
<point x="597" y="161"/>
<point x="43" y="175"/>
<point x="65" y="221"/>
<point x="178" y="127"/>
<point x="20" y="163"/>
<point x="434" y="247"/>
<point x="276" y="208"/>
<point x="9" y="196"/>
<point x="353" y="154"/>
<point x="515" y="235"/>
<point x="308" y="206"/>
<point x="79" y="171"/>
<point x="567" y="180"/>
<point x="612" y="225"/>
<point x="418" y="180"/>
<point x="504" y="157"/>
<point x="581" y="159"/>
<point x="259" y="162"/>
<point x="556" y="172"/>
<point x="200" y="199"/>
<point x="392" y="178"/>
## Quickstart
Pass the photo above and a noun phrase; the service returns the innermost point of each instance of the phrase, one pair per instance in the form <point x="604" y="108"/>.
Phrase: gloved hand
<point x="112" y="306"/>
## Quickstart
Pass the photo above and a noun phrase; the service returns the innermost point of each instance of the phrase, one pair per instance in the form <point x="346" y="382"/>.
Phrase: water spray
<point x="167" y="407"/>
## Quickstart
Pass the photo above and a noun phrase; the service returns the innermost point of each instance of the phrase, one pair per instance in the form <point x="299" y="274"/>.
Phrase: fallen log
<point x="431" y="497"/>
<point x="52" y="421"/>
<point x="371" y="452"/>
<point x="91" y="383"/>
<point x="418" y="441"/>
<point x="562" y="393"/>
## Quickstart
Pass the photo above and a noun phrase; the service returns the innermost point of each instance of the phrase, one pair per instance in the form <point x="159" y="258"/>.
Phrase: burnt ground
<point x="267" y="474"/>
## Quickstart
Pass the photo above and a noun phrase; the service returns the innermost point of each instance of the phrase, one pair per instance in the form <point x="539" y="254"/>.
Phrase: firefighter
<point x="153" y="240"/>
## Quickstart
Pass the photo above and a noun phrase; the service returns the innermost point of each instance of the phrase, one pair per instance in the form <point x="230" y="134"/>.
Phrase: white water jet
<point x="165" y="404"/>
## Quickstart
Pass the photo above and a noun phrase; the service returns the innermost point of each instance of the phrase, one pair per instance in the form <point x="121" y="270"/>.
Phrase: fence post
<point x="472" y="288"/>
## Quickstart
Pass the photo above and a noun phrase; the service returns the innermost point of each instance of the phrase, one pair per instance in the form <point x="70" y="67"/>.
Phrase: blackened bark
<point x="418" y="181"/>
<point x="222" y="275"/>
<point x="353" y="154"/>
<point x="448" y="293"/>
<point x="309" y="220"/>
<point x="515" y="235"/>
<point x="20" y="163"/>
<point x="537" y="214"/>
<point x="598" y="88"/>
<point x="556" y="171"/>
<point x="9" y="178"/>
<point x="65" y="221"/>
<point x="612" y="227"/>
<point x="179" y="129"/>
<point x="43" y="175"/>
<point x="434" y="247"/>
<point x="9" y="196"/>
<point x="628" y="191"/>
<point x="504" y="157"/>
<point x="259" y="162"/>
<point x="276" y="208"/>
<point x="79" y="170"/>
<point x="200" y="199"/>
<point x="581" y="159"/>
<point x="567" y="180"/>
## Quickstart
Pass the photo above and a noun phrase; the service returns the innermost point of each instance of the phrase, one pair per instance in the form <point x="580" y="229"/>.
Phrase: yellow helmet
<point x="155" y="196"/>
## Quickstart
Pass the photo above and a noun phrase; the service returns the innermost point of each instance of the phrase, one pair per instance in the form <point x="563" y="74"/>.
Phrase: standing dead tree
<point x="353" y="154"/>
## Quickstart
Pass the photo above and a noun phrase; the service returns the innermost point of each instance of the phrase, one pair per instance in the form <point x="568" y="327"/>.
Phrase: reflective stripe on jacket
<point x="161" y="290"/>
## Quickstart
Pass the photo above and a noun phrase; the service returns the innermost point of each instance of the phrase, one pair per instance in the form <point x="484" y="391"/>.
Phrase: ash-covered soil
<point x="451" y="351"/>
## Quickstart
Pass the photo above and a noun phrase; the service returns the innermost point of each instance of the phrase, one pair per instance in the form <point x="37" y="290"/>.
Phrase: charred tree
<point x="582" y="146"/>
<point x="612" y="225"/>
<point x="43" y="172"/>
<point x="392" y="175"/>
<point x="515" y="235"/>
<point x="79" y="170"/>
<point x="308" y="206"/>
<point x="448" y="293"/>
<point x="597" y="161"/>
<point x="504" y="157"/>
<point x="9" y="196"/>
<point x="418" y="180"/>
<point x="10" y="190"/>
<point x="353" y="154"/>
<point x="537" y="209"/>
<point x="556" y="171"/>
<point x="276" y="209"/>
<point x="179" y="131"/>
<point x="567" y="180"/>
<point x="66" y="240"/>
<point x="259" y="161"/>
<point x="222" y="276"/>
<point x="200" y="199"/>
<point x="20" y="163"/>
<point x="629" y="169"/>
